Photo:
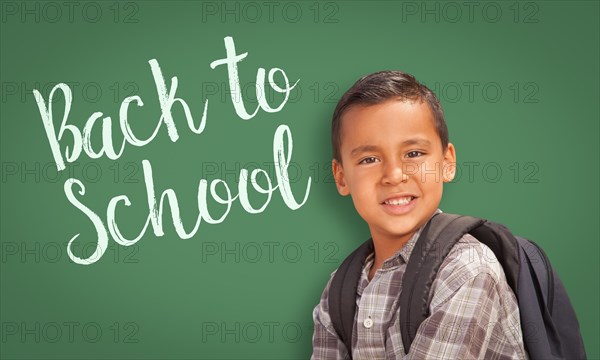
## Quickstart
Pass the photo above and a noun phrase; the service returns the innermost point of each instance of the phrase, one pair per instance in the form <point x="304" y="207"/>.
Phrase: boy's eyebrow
<point x="370" y="148"/>
<point x="416" y="141"/>
<point x="363" y="148"/>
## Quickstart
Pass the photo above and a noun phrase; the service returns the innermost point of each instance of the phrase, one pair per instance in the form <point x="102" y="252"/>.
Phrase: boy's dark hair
<point x="382" y="86"/>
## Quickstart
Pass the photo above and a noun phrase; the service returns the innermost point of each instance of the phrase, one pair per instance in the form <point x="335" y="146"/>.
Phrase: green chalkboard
<point x="92" y="267"/>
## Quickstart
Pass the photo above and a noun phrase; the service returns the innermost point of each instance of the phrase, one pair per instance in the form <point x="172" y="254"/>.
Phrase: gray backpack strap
<point x="342" y="293"/>
<point x="436" y="240"/>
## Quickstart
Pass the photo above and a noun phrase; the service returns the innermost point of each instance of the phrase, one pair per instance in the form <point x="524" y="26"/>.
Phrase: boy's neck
<point x="386" y="246"/>
<point x="385" y="249"/>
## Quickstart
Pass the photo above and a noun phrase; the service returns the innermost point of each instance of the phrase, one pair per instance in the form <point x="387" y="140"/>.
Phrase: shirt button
<point x="368" y="323"/>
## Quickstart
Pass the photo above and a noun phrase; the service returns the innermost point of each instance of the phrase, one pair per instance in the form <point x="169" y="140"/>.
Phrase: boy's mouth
<point x="404" y="200"/>
<point x="399" y="205"/>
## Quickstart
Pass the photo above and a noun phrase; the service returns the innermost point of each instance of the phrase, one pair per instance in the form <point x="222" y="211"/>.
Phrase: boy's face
<point x="393" y="166"/>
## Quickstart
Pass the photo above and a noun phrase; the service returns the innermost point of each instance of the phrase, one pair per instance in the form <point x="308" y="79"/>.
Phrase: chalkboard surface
<point x="221" y="111"/>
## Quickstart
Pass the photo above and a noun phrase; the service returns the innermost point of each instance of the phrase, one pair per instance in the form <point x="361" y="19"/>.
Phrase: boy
<point x="392" y="155"/>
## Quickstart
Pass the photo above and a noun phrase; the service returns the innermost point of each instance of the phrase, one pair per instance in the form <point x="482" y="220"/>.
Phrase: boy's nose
<point x="394" y="174"/>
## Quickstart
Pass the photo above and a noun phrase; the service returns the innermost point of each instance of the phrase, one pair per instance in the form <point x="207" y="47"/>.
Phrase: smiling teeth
<point x="401" y="201"/>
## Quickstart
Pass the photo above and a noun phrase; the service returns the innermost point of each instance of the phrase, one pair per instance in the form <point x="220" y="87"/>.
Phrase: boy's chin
<point x="403" y="228"/>
<point x="396" y="232"/>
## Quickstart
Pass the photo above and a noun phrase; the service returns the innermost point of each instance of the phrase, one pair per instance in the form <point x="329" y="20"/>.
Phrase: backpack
<point x="548" y="321"/>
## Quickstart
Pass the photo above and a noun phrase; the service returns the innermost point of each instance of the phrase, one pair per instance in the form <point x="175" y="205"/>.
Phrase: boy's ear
<point x="338" y="175"/>
<point x="449" y="168"/>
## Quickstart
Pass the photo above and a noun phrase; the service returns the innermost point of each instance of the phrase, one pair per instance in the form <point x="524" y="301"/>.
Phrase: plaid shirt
<point x="474" y="313"/>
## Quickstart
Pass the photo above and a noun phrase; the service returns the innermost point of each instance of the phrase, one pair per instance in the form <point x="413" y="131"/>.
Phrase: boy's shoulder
<point x="468" y="259"/>
<point x="470" y="255"/>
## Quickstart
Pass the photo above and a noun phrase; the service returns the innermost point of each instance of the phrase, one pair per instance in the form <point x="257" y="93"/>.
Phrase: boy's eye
<point x="368" y="160"/>
<point x="414" y="153"/>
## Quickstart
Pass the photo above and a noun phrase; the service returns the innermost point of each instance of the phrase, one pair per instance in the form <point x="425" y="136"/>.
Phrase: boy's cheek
<point x="411" y="168"/>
